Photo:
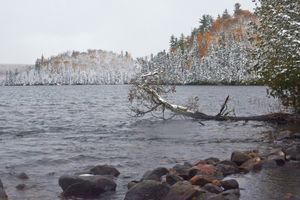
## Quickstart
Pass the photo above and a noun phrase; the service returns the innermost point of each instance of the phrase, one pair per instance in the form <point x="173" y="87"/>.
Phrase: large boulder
<point x="86" y="186"/>
<point x="147" y="190"/>
<point x="183" y="190"/>
<point x="3" y="195"/>
<point x="239" y="157"/>
<point x="155" y="174"/>
<point x="105" y="170"/>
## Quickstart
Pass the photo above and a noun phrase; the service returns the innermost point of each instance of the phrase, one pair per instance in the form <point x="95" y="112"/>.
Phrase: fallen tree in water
<point x="147" y="93"/>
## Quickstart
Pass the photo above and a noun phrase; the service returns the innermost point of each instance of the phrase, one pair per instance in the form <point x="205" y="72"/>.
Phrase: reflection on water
<point x="50" y="131"/>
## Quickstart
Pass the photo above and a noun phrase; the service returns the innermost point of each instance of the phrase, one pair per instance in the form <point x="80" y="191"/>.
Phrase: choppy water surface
<point x="50" y="131"/>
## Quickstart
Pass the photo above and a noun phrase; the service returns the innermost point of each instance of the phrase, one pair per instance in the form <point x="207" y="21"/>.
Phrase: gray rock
<point x="87" y="186"/>
<point x="228" y="162"/>
<point x="22" y="176"/>
<point x="183" y="171"/>
<point x="3" y="195"/>
<point x="212" y="161"/>
<point x="21" y="186"/>
<point x="230" y="184"/>
<point x="293" y="153"/>
<point x="147" y="190"/>
<point x="251" y="164"/>
<point x="233" y="194"/>
<point x="227" y="169"/>
<point x="183" y="190"/>
<point x="212" y="188"/>
<point x="239" y="157"/>
<point x="105" y="170"/>
<point x="171" y="179"/>
<point x="155" y="174"/>
<point x="278" y="156"/>
<point x="131" y="184"/>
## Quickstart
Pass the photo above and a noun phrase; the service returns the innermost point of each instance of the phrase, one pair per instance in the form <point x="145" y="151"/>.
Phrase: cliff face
<point x="71" y="68"/>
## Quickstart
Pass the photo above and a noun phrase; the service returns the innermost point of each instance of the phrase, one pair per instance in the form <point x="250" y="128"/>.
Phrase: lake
<point x="48" y="131"/>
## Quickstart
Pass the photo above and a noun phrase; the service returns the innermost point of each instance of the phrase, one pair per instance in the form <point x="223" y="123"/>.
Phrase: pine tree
<point x="205" y="23"/>
<point x="237" y="9"/>
<point x="278" y="49"/>
<point x="226" y="14"/>
<point x="173" y="42"/>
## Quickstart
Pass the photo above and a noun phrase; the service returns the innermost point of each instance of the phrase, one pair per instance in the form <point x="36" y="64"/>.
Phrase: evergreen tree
<point x="205" y="23"/>
<point x="181" y="43"/>
<point x="173" y="42"/>
<point x="226" y="14"/>
<point x="277" y="52"/>
<point x="237" y="9"/>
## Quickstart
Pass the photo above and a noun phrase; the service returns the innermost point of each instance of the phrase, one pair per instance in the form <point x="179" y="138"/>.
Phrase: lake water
<point x="48" y="131"/>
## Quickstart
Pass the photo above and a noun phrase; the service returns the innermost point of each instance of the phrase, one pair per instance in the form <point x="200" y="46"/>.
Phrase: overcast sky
<point x="29" y="28"/>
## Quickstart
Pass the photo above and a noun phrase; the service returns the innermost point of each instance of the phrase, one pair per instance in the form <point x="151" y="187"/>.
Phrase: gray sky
<point x="29" y="28"/>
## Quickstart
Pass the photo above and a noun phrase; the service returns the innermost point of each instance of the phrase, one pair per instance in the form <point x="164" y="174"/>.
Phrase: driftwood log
<point x="147" y="88"/>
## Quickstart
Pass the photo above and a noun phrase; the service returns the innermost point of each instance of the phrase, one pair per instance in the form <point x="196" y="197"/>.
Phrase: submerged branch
<point x="151" y="94"/>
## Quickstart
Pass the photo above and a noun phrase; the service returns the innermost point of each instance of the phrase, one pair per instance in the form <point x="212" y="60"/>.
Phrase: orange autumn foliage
<point x="233" y="28"/>
<point x="204" y="40"/>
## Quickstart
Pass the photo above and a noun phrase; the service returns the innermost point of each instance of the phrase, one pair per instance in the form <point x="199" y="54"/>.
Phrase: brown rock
<point x="239" y="157"/>
<point x="147" y="190"/>
<point x="201" y="180"/>
<point x="251" y="164"/>
<point x="105" y="170"/>
<point x="183" y="190"/>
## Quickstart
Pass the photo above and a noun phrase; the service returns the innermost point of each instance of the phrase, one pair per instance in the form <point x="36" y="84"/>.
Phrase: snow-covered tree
<point x="278" y="49"/>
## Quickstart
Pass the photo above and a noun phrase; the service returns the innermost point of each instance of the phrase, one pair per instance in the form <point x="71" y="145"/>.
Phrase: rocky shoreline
<point x="205" y="179"/>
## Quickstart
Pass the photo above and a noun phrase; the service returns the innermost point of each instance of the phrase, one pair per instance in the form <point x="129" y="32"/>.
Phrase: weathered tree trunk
<point x="147" y="91"/>
<point x="279" y="118"/>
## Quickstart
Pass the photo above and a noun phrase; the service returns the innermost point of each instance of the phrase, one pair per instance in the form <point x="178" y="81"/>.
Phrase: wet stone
<point x="183" y="190"/>
<point x="239" y="157"/>
<point x="86" y="186"/>
<point x="201" y="180"/>
<point x="155" y="174"/>
<point x="212" y="161"/>
<point x="171" y="179"/>
<point x="21" y="187"/>
<point x="230" y="184"/>
<point x="105" y="170"/>
<point x="147" y="190"/>
<point x="22" y="176"/>
<point x="212" y="188"/>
